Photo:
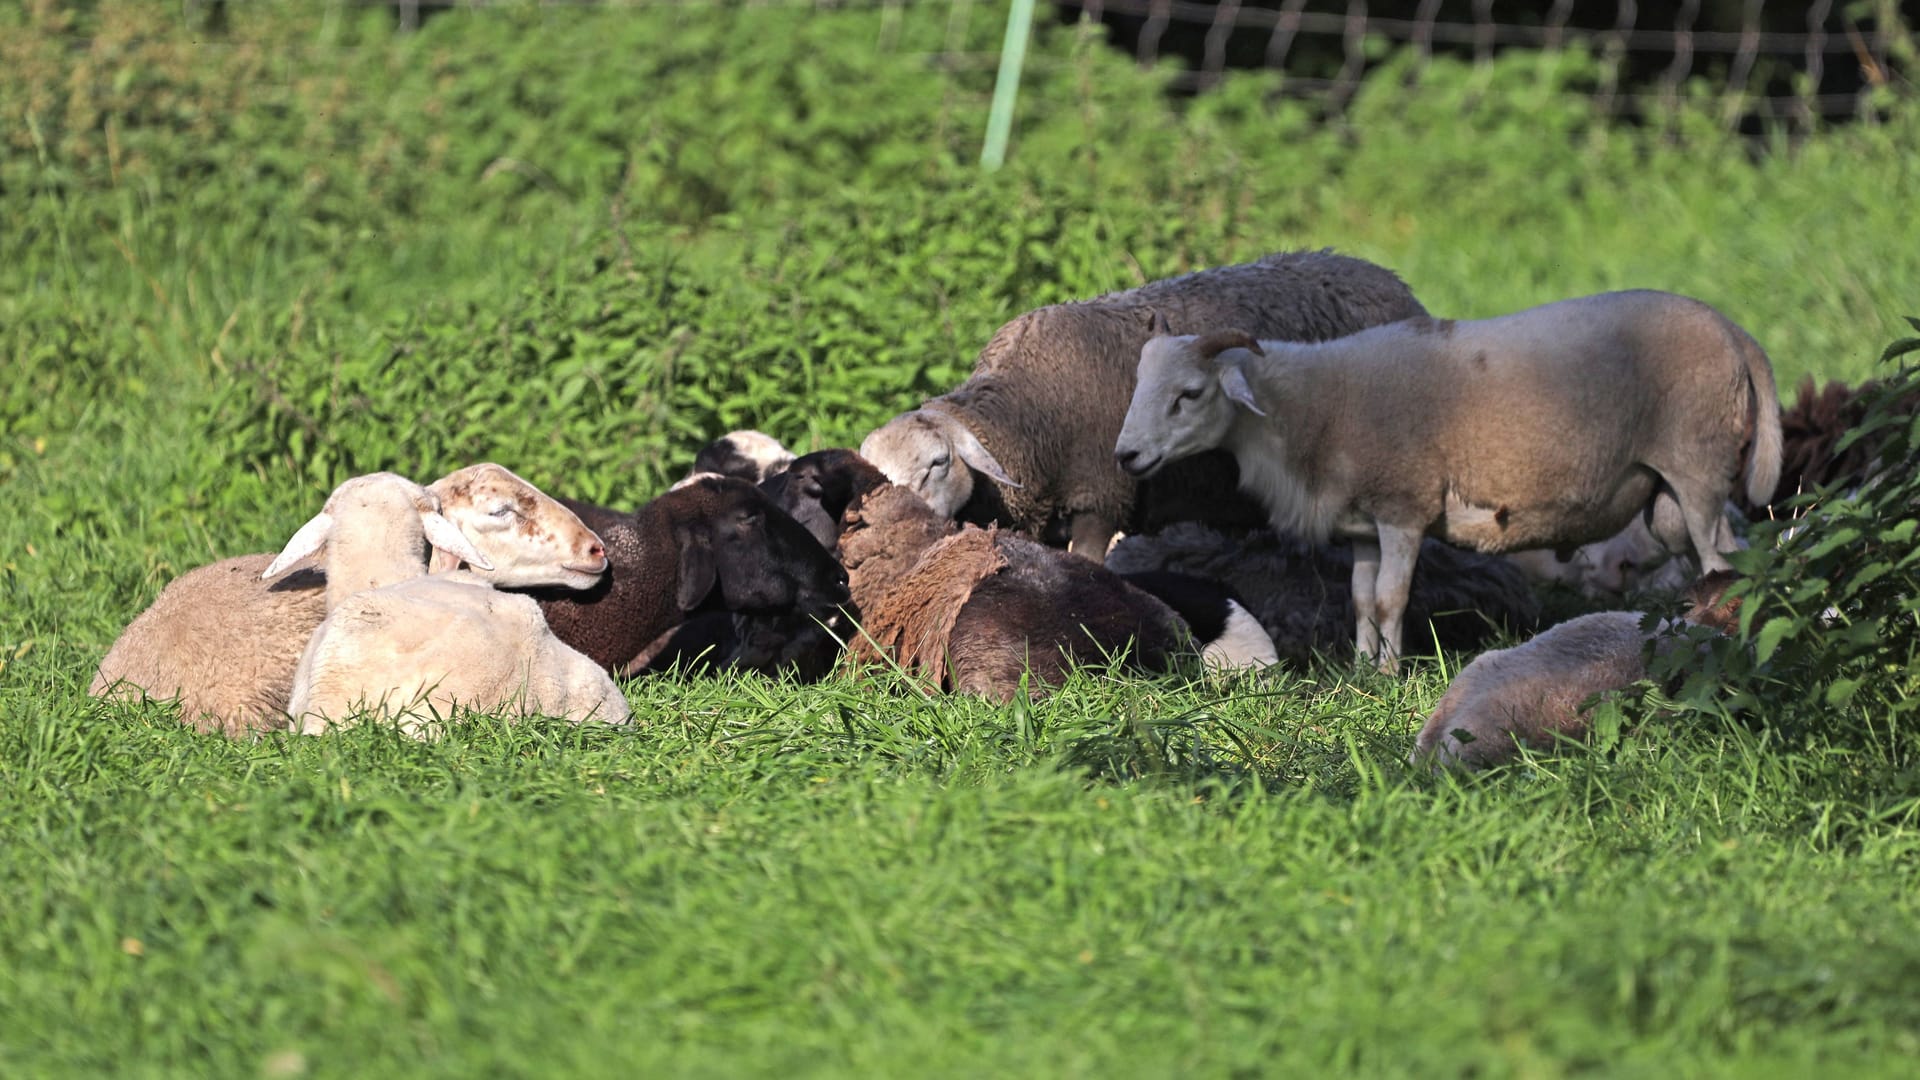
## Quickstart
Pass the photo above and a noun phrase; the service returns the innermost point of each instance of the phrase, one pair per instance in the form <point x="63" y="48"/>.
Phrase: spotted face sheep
<point x="1025" y="441"/>
<point x="1538" y="692"/>
<point x="226" y="643"/>
<point x="752" y="456"/>
<point x="716" y="544"/>
<point x="1552" y="427"/>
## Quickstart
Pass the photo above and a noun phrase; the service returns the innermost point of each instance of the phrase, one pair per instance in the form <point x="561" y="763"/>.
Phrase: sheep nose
<point x="596" y="551"/>
<point x="1126" y="458"/>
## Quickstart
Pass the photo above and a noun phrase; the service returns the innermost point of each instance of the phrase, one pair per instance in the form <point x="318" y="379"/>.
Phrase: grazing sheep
<point x="1044" y="403"/>
<point x="1300" y="592"/>
<point x="752" y="456"/>
<point x="974" y="609"/>
<point x="1536" y="692"/>
<point x="718" y="544"/>
<point x="1548" y="428"/>
<point x="226" y="643"/>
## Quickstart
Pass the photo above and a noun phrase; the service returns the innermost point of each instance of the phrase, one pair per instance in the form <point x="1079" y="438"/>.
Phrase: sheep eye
<point x="940" y="462"/>
<point x="1191" y="394"/>
<point x="504" y="510"/>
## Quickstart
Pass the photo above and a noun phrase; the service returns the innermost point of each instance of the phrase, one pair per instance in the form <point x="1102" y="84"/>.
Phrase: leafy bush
<point x="1829" y="639"/>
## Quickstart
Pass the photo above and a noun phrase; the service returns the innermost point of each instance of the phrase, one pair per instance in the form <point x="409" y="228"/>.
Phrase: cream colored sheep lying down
<point x="417" y="650"/>
<point x="1532" y="694"/>
<point x="225" y="642"/>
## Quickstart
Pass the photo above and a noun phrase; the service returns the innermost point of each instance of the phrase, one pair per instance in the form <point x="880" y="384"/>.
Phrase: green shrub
<point x="1829" y="642"/>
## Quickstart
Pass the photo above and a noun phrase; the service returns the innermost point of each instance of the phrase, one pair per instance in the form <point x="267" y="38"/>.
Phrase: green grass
<point x="219" y="297"/>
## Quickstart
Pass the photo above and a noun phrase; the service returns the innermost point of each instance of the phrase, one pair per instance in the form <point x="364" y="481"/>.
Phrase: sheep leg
<point x="1366" y="627"/>
<point x="1399" y="550"/>
<point x="1090" y="536"/>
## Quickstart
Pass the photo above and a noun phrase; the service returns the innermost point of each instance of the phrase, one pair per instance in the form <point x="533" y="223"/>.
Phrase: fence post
<point x="1006" y="85"/>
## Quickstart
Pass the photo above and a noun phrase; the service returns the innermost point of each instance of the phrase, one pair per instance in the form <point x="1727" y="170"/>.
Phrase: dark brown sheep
<point x="972" y="609"/>
<point x="716" y="544"/>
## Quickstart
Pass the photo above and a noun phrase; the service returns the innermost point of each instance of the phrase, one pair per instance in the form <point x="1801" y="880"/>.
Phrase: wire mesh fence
<point x="1761" y="61"/>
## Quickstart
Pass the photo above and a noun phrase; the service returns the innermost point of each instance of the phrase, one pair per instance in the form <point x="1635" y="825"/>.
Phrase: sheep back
<point x="1044" y="613"/>
<point x="428" y="646"/>
<point x="633" y="603"/>
<point x="911" y="622"/>
<point x="1050" y="390"/>
<point x="222" y="641"/>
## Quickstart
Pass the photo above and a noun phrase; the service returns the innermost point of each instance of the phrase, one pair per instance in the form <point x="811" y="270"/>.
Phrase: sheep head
<point x="1184" y="398"/>
<point x="748" y="455"/>
<point x="526" y="537"/>
<point x="818" y="487"/>
<point x="732" y="538"/>
<point x="933" y="453"/>
<point x="379" y="509"/>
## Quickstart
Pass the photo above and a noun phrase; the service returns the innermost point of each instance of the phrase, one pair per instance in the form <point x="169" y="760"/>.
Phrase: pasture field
<point x="245" y="259"/>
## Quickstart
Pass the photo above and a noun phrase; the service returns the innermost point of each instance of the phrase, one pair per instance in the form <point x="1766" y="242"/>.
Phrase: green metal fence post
<point x="1006" y="86"/>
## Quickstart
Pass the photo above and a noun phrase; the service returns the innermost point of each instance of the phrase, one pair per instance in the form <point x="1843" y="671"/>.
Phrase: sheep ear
<point x="1157" y="325"/>
<point x="448" y="540"/>
<point x="975" y="455"/>
<point x="305" y="542"/>
<point x="698" y="574"/>
<point x="1234" y="381"/>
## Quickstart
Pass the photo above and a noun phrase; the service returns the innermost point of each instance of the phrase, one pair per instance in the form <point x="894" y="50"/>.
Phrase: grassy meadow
<point x="244" y="259"/>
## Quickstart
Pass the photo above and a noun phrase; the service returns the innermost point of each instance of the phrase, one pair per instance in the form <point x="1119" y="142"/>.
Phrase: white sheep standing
<point x="225" y="643"/>
<point x="427" y="644"/>
<point x="1551" y="427"/>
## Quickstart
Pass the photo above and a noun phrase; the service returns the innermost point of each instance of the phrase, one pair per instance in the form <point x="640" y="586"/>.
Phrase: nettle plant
<point x="1830" y="613"/>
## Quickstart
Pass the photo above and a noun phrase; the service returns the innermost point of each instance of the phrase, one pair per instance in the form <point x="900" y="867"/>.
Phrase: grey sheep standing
<point x="1039" y="416"/>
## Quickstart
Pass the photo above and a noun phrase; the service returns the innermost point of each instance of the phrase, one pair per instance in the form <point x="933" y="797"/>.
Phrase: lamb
<point x="1299" y="592"/>
<point x="1632" y="560"/>
<point x="1047" y="394"/>
<point x="1537" y="692"/>
<point x="716" y="544"/>
<point x="973" y="609"/>
<point x="1548" y="428"/>
<point x="226" y="644"/>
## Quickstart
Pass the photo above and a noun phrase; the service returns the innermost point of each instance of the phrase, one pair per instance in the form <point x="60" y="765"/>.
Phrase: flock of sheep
<point x="1123" y="481"/>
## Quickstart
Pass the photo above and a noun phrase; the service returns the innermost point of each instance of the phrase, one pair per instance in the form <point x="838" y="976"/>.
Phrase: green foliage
<point x="1830" y="615"/>
<point x="246" y="258"/>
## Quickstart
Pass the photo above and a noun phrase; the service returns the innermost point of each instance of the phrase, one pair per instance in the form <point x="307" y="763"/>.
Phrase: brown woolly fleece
<point x="1050" y="389"/>
<point x="912" y="621"/>
<point x="974" y="610"/>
